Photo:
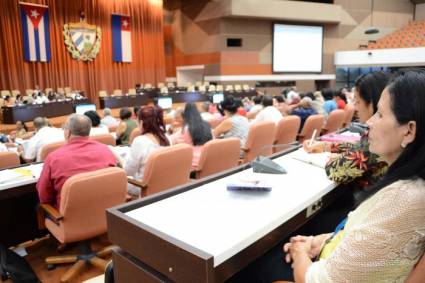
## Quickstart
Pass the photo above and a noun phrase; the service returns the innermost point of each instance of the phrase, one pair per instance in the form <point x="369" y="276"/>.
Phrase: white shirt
<point x="207" y="116"/>
<point x="43" y="136"/>
<point x="100" y="130"/>
<point x="2" y="147"/>
<point x="256" y="108"/>
<point x="41" y="99"/>
<point x="109" y="121"/>
<point x="270" y="113"/>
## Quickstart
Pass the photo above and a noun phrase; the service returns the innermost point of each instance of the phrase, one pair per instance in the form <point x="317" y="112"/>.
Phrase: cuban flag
<point x="35" y="31"/>
<point x="121" y="38"/>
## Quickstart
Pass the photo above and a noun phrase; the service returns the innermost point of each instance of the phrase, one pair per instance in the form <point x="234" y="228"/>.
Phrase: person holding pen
<point x="354" y="161"/>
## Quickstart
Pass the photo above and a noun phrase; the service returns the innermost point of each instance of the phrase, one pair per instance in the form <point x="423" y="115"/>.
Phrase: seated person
<point x="8" y="101"/>
<point x="176" y="126"/>
<point x="330" y="104"/>
<point x="21" y="131"/>
<point x="196" y="132"/>
<point x="136" y="112"/>
<point x="381" y="240"/>
<point x="151" y="124"/>
<point x="79" y="155"/>
<point x="107" y="119"/>
<point x="257" y="104"/>
<point x="354" y="161"/>
<point x="204" y="111"/>
<point x="233" y="124"/>
<point x="126" y="126"/>
<point x="96" y="127"/>
<point x="51" y="96"/>
<point x="269" y="112"/>
<point x="40" y="98"/>
<point x="340" y="99"/>
<point x="43" y="135"/>
<point x="304" y="110"/>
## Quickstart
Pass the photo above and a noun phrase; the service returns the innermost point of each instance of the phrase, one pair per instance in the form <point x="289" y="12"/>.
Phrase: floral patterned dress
<point x="355" y="163"/>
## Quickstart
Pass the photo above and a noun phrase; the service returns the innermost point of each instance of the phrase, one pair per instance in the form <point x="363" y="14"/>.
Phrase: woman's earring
<point x="403" y="145"/>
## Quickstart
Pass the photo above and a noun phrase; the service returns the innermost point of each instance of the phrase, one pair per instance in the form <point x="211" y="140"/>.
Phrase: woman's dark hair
<point x="94" y="117"/>
<point x="153" y="122"/>
<point x="136" y="110"/>
<point x="257" y="99"/>
<point x="309" y="94"/>
<point x="230" y="104"/>
<point x="125" y="113"/>
<point x="267" y="101"/>
<point x="370" y="87"/>
<point x="340" y="94"/>
<point x="23" y="125"/>
<point x="328" y="93"/>
<point x="199" y="130"/>
<point x="279" y="98"/>
<point x="408" y="104"/>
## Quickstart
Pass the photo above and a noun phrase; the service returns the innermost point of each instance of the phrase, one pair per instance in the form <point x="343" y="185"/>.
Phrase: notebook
<point x="249" y="184"/>
<point x="316" y="159"/>
<point x="341" y="137"/>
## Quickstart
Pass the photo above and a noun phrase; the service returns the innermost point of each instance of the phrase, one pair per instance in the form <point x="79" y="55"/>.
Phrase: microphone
<point x="262" y="164"/>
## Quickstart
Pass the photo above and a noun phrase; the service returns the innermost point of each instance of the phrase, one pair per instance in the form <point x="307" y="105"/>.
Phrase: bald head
<point x="78" y="125"/>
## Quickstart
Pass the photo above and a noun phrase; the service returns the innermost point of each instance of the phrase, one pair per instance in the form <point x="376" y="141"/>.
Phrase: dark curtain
<point x="147" y="66"/>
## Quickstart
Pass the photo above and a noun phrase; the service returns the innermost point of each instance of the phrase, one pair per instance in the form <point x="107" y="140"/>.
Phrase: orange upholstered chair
<point x="259" y="141"/>
<point x="81" y="216"/>
<point x="349" y="114"/>
<point x="313" y="122"/>
<point x="135" y="133"/>
<point x="166" y="167"/>
<point x="218" y="155"/>
<point x="417" y="275"/>
<point x="49" y="148"/>
<point x="334" y="122"/>
<point x="107" y="139"/>
<point x="286" y="131"/>
<point x="8" y="159"/>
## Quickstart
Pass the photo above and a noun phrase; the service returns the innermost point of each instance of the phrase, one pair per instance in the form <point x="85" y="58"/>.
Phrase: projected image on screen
<point x="297" y="48"/>
<point x="165" y="102"/>
<point x="83" y="108"/>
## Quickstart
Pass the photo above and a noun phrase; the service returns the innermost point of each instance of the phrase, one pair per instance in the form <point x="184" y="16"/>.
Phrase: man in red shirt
<point x="79" y="155"/>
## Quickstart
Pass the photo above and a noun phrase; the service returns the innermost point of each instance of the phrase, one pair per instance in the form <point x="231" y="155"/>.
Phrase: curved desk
<point x="203" y="233"/>
<point x="28" y="112"/>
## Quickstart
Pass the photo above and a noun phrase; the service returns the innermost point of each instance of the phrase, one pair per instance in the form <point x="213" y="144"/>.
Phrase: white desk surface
<point x="24" y="180"/>
<point x="222" y="223"/>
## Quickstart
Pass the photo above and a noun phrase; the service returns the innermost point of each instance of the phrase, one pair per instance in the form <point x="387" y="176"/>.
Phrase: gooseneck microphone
<point x="262" y="164"/>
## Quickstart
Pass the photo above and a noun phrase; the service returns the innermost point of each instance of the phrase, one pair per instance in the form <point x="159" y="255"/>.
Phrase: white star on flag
<point x="34" y="14"/>
<point x="124" y="23"/>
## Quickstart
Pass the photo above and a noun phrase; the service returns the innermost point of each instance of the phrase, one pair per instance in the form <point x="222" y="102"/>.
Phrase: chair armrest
<point x="52" y="212"/>
<point x="244" y="149"/>
<point x="136" y="183"/>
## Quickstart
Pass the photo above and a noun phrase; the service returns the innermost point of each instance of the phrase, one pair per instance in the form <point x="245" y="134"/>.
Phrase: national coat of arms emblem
<point x="82" y="40"/>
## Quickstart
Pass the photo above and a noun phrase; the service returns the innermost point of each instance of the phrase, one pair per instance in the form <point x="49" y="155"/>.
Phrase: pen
<point x="313" y="136"/>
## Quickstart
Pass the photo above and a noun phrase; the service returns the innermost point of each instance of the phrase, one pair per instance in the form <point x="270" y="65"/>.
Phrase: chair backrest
<point x="47" y="90"/>
<point x="1" y="102"/>
<point x="229" y="88"/>
<point x="61" y="90"/>
<point x="219" y="87"/>
<point x="84" y="200"/>
<point x="135" y="133"/>
<point x="238" y="88"/>
<point x="191" y="88"/>
<point x="163" y="89"/>
<point x="211" y="88"/>
<point x="313" y="122"/>
<point x="49" y="148"/>
<point x="5" y="93"/>
<point x="117" y="92"/>
<point x="131" y="91"/>
<point x="67" y="89"/>
<point x="334" y="121"/>
<point x="218" y="155"/>
<point x="107" y="139"/>
<point x="198" y="83"/>
<point x="161" y="85"/>
<point x="29" y="91"/>
<point x="349" y="114"/>
<point x="286" y="131"/>
<point x="15" y="92"/>
<point x="103" y="93"/>
<point x="8" y="159"/>
<point x="167" y="167"/>
<point x="202" y="88"/>
<point x="417" y="275"/>
<point x="170" y="85"/>
<point x="260" y="139"/>
<point x="148" y="86"/>
<point x="245" y="87"/>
